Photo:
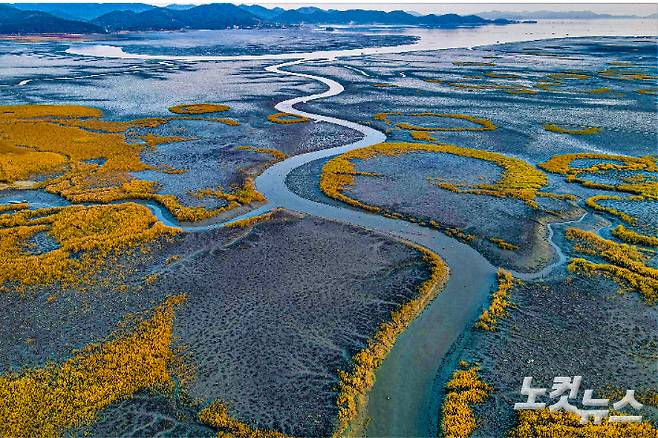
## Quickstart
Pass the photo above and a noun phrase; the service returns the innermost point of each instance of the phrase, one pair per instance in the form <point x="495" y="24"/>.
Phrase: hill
<point x="81" y="11"/>
<point x="551" y="15"/>
<point x="112" y="17"/>
<point x="311" y="15"/>
<point x="213" y="16"/>
<point x="262" y="12"/>
<point x="16" y="21"/>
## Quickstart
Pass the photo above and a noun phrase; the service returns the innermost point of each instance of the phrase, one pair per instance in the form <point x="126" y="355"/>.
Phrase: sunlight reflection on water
<point x="430" y="39"/>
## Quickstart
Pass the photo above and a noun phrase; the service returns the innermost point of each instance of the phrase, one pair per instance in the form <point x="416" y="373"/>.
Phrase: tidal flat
<point x="520" y="88"/>
<point x="149" y="287"/>
<point x="595" y="92"/>
<point x="271" y="311"/>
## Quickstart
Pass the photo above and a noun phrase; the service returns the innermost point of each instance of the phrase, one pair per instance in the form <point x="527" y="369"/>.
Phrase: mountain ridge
<point x="211" y="16"/>
<point x="80" y="11"/>
<point x="66" y="17"/>
<point x="16" y="21"/>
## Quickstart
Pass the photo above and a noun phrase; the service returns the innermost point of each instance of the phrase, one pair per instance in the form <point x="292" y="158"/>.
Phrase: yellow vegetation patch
<point x="485" y="124"/>
<point x="593" y="203"/>
<point x="286" y="118"/>
<point x="277" y="154"/>
<point x="603" y="90"/>
<point x="17" y="163"/>
<point x="575" y="131"/>
<point x="543" y="423"/>
<point x="502" y="244"/>
<point x="421" y="135"/>
<point x="515" y="89"/>
<point x="568" y="75"/>
<point x="455" y="233"/>
<point x="463" y="390"/>
<point x="562" y="163"/>
<point x="499" y="302"/>
<point x="229" y="122"/>
<point x="154" y="140"/>
<point x="47" y="401"/>
<point x="519" y="180"/>
<point x="509" y="89"/>
<point x="356" y="383"/>
<point x="626" y="74"/>
<point x="244" y="195"/>
<point x="251" y="221"/>
<point x="87" y="237"/>
<point x="649" y="91"/>
<point x="217" y="416"/>
<point x="14" y="207"/>
<point x="172" y="259"/>
<point x="47" y="111"/>
<point x="47" y="139"/>
<point x="630" y="236"/>
<point x="169" y="170"/>
<point x="199" y="108"/>
<point x="498" y="75"/>
<point x="639" y="184"/>
<point x="151" y="279"/>
<point x="548" y="85"/>
<point x="625" y="263"/>
<point x="383" y="117"/>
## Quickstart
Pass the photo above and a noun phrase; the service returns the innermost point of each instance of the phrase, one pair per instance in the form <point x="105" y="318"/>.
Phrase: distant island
<point x="554" y="15"/>
<point x="37" y="18"/>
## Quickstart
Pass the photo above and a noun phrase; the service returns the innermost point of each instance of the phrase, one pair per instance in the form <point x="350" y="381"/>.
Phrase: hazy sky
<point x="645" y="8"/>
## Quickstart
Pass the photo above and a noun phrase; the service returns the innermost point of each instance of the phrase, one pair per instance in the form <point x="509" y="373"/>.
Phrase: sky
<point x="638" y="7"/>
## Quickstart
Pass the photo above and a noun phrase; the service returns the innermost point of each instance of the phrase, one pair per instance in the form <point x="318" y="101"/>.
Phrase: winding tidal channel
<point x="403" y="399"/>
